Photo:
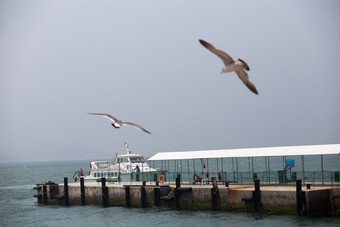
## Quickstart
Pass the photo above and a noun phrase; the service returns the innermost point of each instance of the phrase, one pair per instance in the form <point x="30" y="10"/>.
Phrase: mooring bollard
<point x="66" y="191"/>
<point x="82" y="191"/>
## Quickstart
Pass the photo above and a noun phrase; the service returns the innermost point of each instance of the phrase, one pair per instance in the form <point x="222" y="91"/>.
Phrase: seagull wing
<point x="227" y="60"/>
<point x="136" y="126"/>
<point x="106" y="115"/>
<point x="245" y="79"/>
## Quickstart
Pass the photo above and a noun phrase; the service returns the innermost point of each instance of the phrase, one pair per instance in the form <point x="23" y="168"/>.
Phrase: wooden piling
<point x="157" y="196"/>
<point x="143" y="197"/>
<point x="176" y="191"/>
<point x="299" y="196"/>
<point x="66" y="198"/>
<point x="82" y="191"/>
<point x="127" y="196"/>
<point x="214" y="194"/>
<point x="45" y="194"/>
<point x="256" y="196"/>
<point x="104" y="192"/>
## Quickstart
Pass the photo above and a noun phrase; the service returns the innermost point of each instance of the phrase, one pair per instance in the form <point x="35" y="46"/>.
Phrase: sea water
<point x="18" y="207"/>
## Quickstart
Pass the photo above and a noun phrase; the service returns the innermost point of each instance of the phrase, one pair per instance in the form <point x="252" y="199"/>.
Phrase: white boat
<point x="124" y="168"/>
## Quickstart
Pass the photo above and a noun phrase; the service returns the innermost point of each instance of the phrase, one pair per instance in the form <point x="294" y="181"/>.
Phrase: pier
<point x="273" y="199"/>
<point x="214" y="180"/>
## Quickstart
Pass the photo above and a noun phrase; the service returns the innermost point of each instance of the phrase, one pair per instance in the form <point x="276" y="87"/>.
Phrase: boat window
<point x="136" y="159"/>
<point x="103" y="164"/>
<point x="95" y="175"/>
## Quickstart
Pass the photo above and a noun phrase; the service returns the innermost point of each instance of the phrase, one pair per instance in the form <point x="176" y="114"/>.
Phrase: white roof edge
<point x="249" y="152"/>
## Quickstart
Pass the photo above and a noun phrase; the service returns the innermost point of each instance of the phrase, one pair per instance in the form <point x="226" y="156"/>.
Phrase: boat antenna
<point x="127" y="148"/>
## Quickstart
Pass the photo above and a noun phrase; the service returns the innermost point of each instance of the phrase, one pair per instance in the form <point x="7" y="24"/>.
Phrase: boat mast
<point x="127" y="148"/>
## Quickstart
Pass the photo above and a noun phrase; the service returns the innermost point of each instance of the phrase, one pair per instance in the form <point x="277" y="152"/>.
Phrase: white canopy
<point x="249" y="152"/>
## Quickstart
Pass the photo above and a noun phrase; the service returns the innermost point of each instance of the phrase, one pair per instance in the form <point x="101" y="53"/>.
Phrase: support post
<point x="303" y="168"/>
<point x="223" y="177"/>
<point x="268" y="159"/>
<point x="322" y="175"/>
<point x="82" y="191"/>
<point x="283" y="162"/>
<point x="249" y="173"/>
<point x="218" y="170"/>
<point x="67" y="203"/>
<point x="175" y="163"/>
<point x="169" y="173"/>
<point x="237" y="169"/>
<point x="188" y="172"/>
<point x="232" y="162"/>
<point x="265" y="163"/>
<point x="202" y="168"/>
<point x="181" y="167"/>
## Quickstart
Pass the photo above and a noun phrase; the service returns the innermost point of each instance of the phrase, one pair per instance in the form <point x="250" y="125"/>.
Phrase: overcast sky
<point x="141" y="61"/>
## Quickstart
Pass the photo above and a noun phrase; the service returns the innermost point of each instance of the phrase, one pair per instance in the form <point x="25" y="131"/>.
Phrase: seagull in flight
<point x="118" y="123"/>
<point x="239" y="66"/>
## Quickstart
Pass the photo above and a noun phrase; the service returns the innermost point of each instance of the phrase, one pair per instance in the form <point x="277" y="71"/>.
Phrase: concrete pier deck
<point x="278" y="199"/>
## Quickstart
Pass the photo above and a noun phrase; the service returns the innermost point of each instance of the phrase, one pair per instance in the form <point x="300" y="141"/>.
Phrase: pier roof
<point x="249" y="152"/>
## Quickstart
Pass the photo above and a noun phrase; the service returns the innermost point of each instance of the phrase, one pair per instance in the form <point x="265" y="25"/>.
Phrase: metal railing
<point x="265" y="177"/>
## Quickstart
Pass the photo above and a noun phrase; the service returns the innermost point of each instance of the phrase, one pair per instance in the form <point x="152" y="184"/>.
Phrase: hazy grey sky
<point x="141" y="61"/>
